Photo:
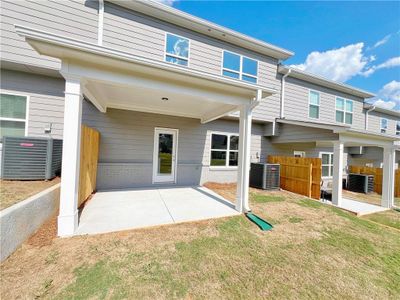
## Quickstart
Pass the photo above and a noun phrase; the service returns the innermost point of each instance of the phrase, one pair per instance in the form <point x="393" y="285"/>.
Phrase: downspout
<point x="101" y="23"/>
<point x="366" y="116"/>
<point x="282" y="112"/>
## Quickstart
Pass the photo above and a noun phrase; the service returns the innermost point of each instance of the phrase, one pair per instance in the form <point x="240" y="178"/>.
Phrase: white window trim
<point x="228" y="146"/>
<point x="174" y="55"/>
<point x="309" y="103"/>
<point x="329" y="165"/>
<point x="387" y="125"/>
<point x="26" y="120"/>
<point x="240" y="72"/>
<point x="397" y="124"/>
<point x="344" y="110"/>
<point x="300" y="153"/>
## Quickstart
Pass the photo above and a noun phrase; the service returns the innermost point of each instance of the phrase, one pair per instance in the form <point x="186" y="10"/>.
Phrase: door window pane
<point x="165" y="144"/>
<point x="218" y="158"/>
<point x="12" y="128"/>
<point x="231" y="61"/>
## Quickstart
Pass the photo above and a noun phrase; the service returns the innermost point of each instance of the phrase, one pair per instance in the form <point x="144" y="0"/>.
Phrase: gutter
<point x="366" y="116"/>
<point x="101" y="23"/>
<point x="282" y="111"/>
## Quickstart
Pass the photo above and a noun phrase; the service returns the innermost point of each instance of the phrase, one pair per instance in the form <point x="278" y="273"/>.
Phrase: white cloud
<point x="381" y="42"/>
<point x="389" y="96"/>
<point x="390" y="63"/>
<point x="337" y="64"/>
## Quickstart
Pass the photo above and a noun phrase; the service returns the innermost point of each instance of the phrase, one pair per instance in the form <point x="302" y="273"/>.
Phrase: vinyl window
<point x="13" y="115"/>
<point x="327" y="164"/>
<point x="299" y="154"/>
<point x="239" y="67"/>
<point x="176" y="49"/>
<point x="224" y="150"/>
<point x="344" y="111"/>
<point x="384" y="125"/>
<point x="313" y="102"/>
<point x="398" y="128"/>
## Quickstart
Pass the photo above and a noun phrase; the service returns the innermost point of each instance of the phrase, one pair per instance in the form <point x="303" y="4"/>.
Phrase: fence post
<point x="310" y="180"/>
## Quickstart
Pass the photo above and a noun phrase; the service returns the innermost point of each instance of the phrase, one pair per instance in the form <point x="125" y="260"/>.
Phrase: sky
<point x="357" y="43"/>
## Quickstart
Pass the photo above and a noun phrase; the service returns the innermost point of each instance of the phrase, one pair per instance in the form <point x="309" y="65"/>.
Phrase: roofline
<point x="172" y="15"/>
<point x="35" y="35"/>
<point x="392" y="112"/>
<point x="294" y="72"/>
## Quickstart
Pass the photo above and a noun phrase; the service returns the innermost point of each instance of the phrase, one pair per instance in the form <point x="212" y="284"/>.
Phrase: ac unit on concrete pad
<point x="265" y="176"/>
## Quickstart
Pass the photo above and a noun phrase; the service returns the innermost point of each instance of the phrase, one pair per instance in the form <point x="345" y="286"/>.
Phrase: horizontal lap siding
<point x="46" y="100"/>
<point x="374" y="122"/>
<point x="75" y="19"/>
<point x="296" y="103"/>
<point x="127" y="142"/>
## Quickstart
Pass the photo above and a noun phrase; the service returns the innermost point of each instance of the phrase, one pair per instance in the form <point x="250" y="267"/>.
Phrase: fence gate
<point x="90" y="140"/>
<point x="300" y="175"/>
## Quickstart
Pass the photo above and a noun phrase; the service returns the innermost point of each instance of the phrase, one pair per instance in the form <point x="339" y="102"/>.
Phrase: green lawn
<point x="314" y="251"/>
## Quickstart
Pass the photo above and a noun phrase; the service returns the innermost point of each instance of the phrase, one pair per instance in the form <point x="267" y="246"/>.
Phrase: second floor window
<point x="344" y="111"/>
<point x="12" y="115"/>
<point x="313" y="100"/>
<point x="384" y="125"/>
<point x="398" y="128"/>
<point x="176" y="49"/>
<point x="239" y="67"/>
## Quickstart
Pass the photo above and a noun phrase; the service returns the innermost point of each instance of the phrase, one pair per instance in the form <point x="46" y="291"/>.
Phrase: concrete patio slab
<point x="360" y="208"/>
<point x="109" y="211"/>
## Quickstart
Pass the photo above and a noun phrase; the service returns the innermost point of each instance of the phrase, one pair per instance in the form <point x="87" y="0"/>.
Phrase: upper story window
<point x="398" y="128"/>
<point x="313" y="105"/>
<point x="384" y="125"/>
<point x="239" y="67"/>
<point x="224" y="150"/>
<point x="344" y="111"/>
<point x="176" y="49"/>
<point x="13" y="112"/>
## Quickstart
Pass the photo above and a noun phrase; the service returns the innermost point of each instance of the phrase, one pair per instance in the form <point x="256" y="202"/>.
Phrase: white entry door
<point x="164" y="157"/>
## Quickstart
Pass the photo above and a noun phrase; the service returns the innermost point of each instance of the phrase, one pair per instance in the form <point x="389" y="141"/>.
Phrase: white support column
<point x="68" y="217"/>
<point x="388" y="177"/>
<point x="337" y="183"/>
<point x="242" y="194"/>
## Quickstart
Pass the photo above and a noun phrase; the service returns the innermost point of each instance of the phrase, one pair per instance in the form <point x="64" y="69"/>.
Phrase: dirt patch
<point x="14" y="191"/>
<point x="46" y="233"/>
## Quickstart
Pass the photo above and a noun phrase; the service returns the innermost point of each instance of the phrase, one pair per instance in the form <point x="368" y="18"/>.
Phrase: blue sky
<point x="353" y="42"/>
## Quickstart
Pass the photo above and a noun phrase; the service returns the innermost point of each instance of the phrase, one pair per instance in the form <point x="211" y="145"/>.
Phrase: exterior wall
<point x="76" y="19"/>
<point x="46" y="100"/>
<point x="126" y="147"/>
<point x="296" y="103"/>
<point x="296" y="134"/>
<point x="374" y="122"/>
<point x="141" y="35"/>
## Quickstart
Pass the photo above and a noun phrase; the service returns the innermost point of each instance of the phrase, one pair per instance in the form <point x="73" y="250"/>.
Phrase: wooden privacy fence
<point x="90" y="140"/>
<point x="299" y="174"/>
<point x="378" y="177"/>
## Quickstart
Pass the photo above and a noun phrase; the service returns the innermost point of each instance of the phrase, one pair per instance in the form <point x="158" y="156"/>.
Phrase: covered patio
<point x="110" y="78"/>
<point x="109" y="211"/>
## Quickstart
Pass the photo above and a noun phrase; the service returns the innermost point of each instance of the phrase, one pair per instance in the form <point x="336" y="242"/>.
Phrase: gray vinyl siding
<point x="75" y="19"/>
<point x="296" y="134"/>
<point x="143" y="36"/>
<point x="374" y="122"/>
<point x="46" y="100"/>
<point x="297" y="103"/>
<point x="127" y="142"/>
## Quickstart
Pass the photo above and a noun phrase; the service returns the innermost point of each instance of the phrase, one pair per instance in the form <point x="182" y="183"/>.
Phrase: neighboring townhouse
<point x="157" y="82"/>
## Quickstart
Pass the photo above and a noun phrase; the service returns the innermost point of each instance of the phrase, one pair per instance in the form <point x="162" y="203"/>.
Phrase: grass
<point x="389" y="218"/>
<point x="314" y="251"/>
<point x="14" y="191"/>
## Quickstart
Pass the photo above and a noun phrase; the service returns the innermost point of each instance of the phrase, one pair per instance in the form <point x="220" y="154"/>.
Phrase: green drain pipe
<point x="264" y="225"/>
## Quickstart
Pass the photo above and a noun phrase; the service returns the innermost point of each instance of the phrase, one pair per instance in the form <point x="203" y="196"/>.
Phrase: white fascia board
<point x="322" y="81"/>
<point x="351" y="133"/>
<point x="169" y="14"/>
<point x="35" y="37"/>
<point x="335" y="128"/>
